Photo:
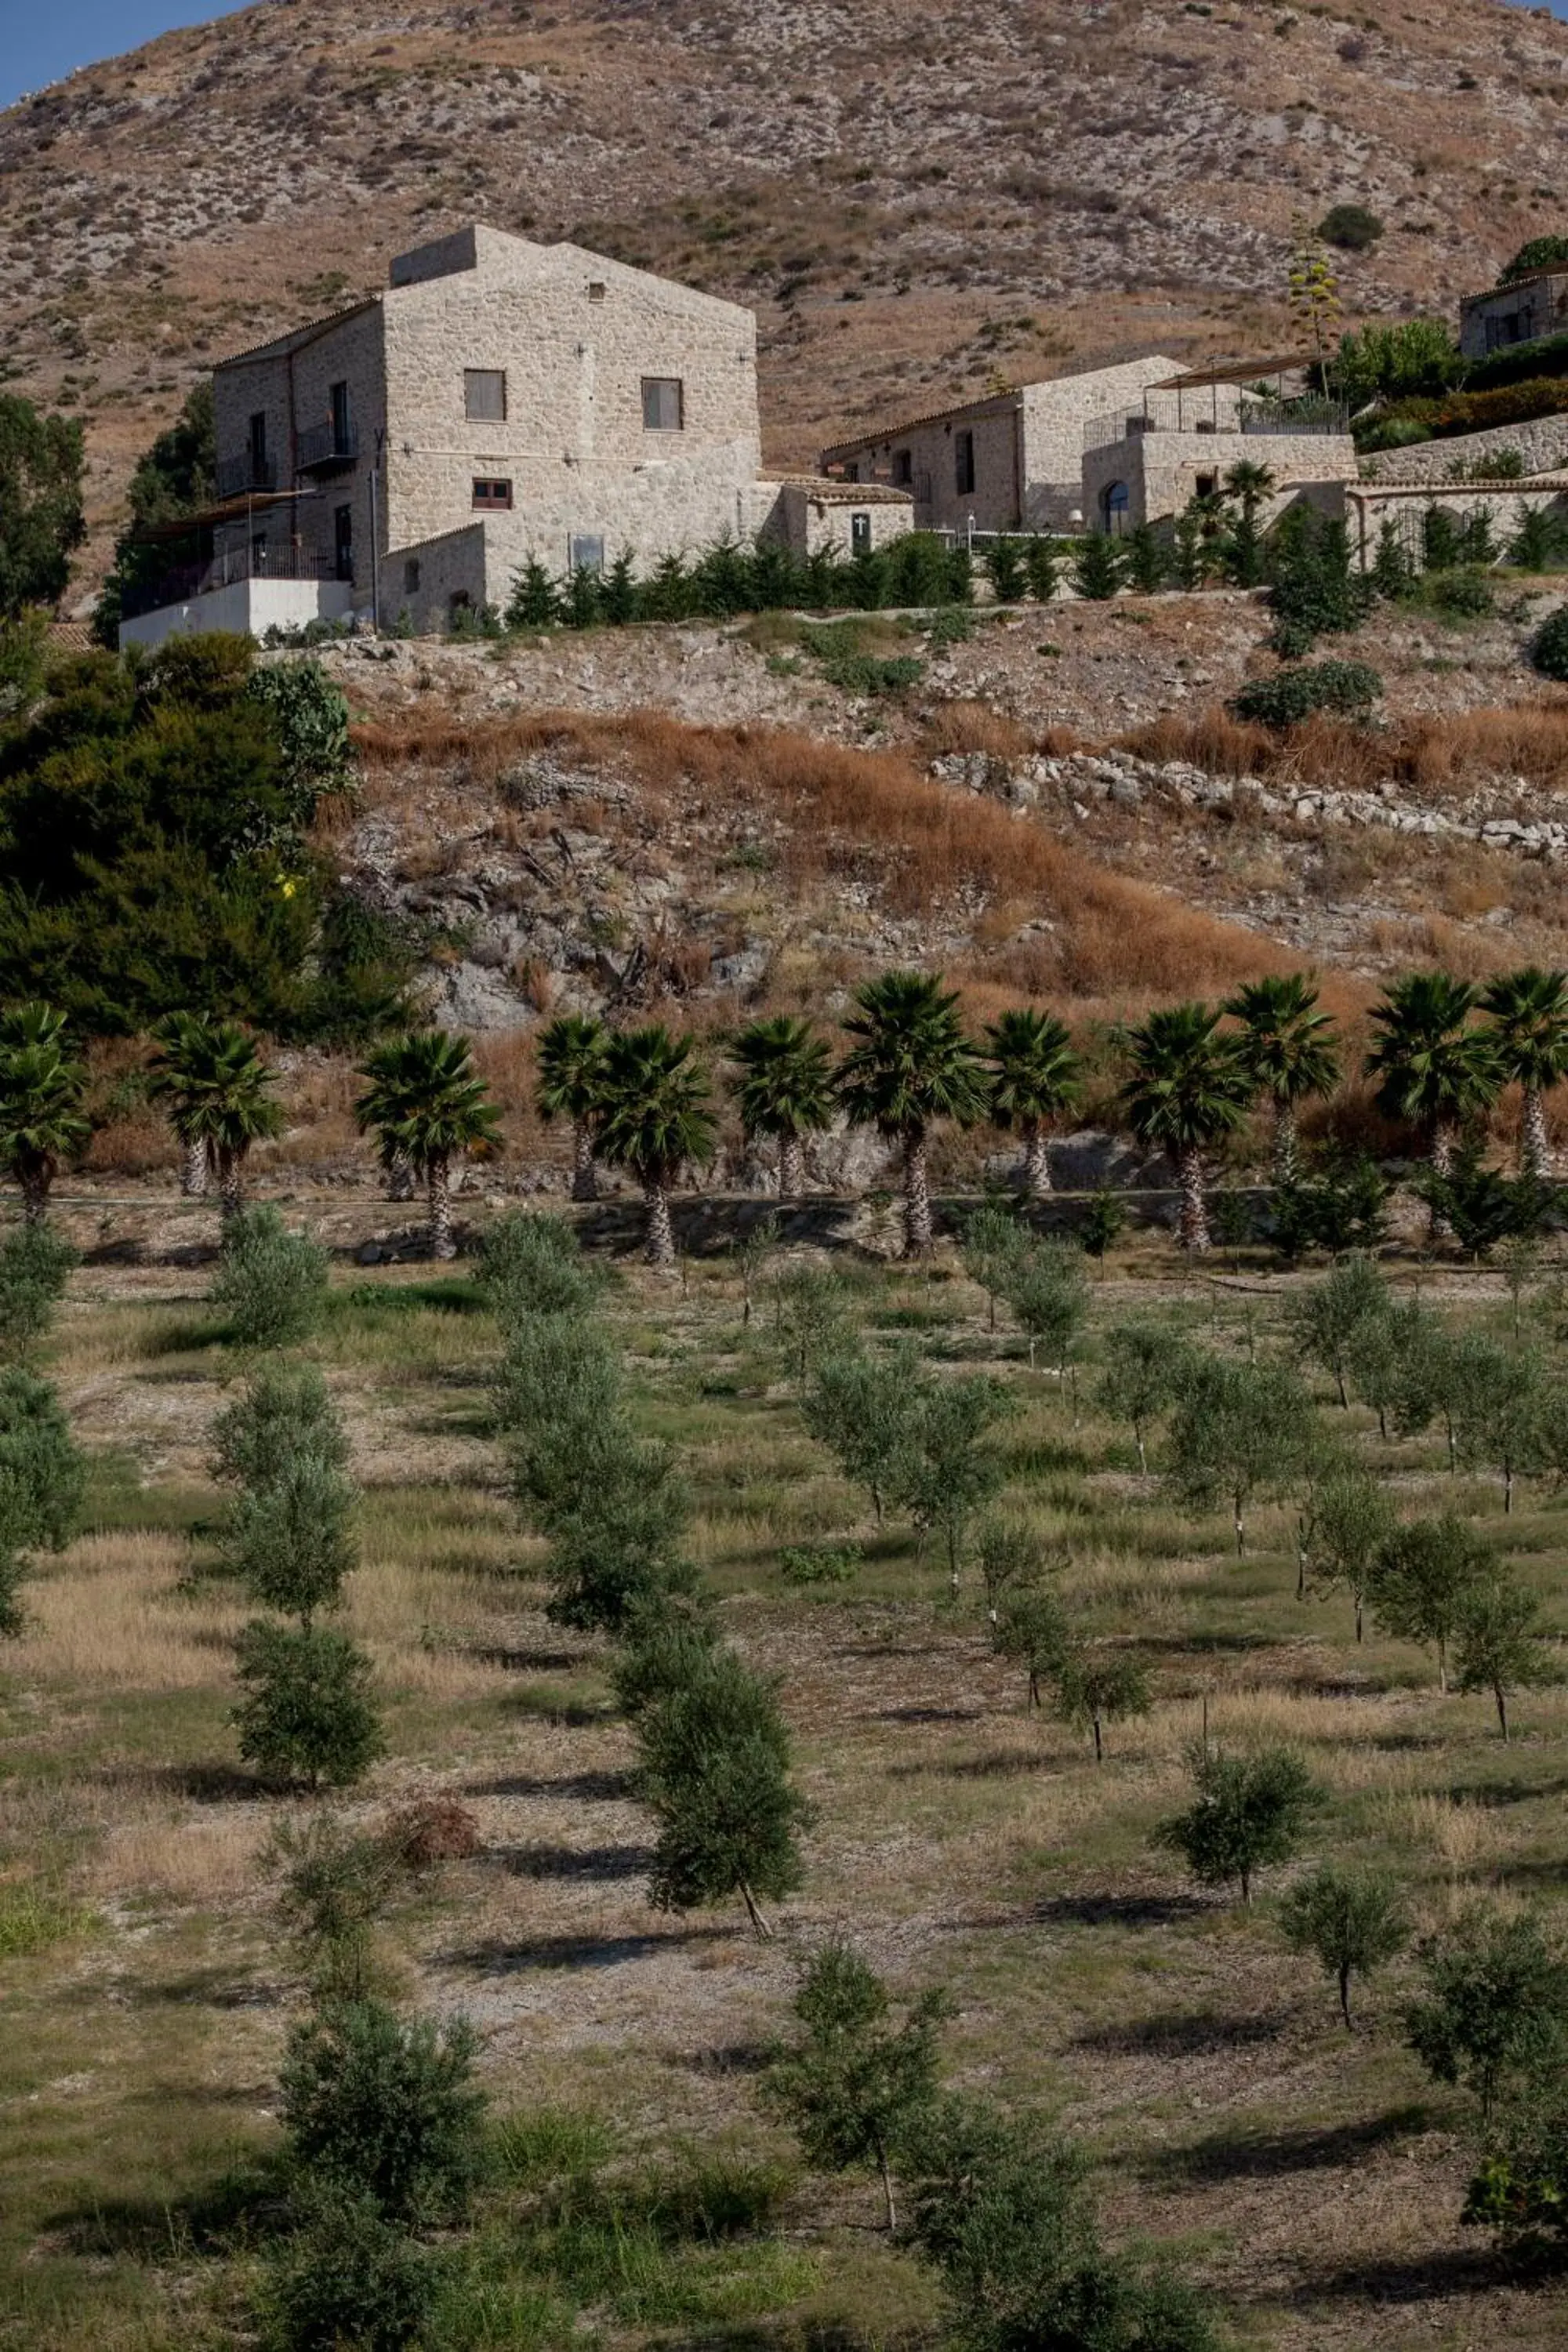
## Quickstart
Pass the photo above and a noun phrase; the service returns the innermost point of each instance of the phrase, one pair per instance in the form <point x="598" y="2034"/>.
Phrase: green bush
<point x="1549" y="648"/>
<point x="1350" y="227"/>
<point x="1546" y="356"/>
<point x="310" y="727"/>
<point x="534" y="1265"/>
<point x="1465" y="594"/>
<point x="715" y="1757"/>
<point x="806" y="1564"/>
<point x="42" y="1476"/>
<point x="1292" y="695"/>
<point x="1548" y="252"/>
<point x="386" y="2110"/>
<point x="291" y="1542"/>
<point x="271" y="1283"/>
<point x="1249" y="1811"/>
<point x="1315" y="589"/>
<point x="35" y="1266"/>
<point x="307" y="1715"/>
<point x="348" y="2281"/>
<point x="284" y="1416"/>
<point x="1479" y="412"/>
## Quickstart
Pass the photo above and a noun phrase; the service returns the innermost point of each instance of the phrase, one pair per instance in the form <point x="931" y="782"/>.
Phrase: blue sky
<point x="42" y="39"/>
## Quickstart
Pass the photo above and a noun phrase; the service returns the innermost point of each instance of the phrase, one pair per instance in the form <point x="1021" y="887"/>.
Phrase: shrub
<point x="310" y="727"/>
<point x="1352" y="1923"/>
<point x="1549" y="252"/>
<point x="1097" y="567"/>
<point x="617" y="1552"/>
<point x="1350" y="227"/>
<point x="805" y="1564"/>
<point x="336" y="1885"/>
<point x="1415" y="357"/>
<point x="1292" y="695"/>
<point x="1004" y="561"/>
<point x="272" y="1284"/>
<point x="285" y="1417"/>
<point x="1465" y="594"/>
<point x="349" y="2278"/>
<point x="715" y="1770"/>
<point x="35" y="1266"/>
<point x="1424" y="1575"/>
<point x="386" y="2110"/>
<point x="1548" y="649"/>
<point x="291" y="1542"/>
<point x="1315" y="589"/>
<point x="532" y="1264"/>
<point x="430" y="1829"/>
<point x="307" y="1714"/>
<point x="1495" y="2004"/>
<point x="42" y="1476"/>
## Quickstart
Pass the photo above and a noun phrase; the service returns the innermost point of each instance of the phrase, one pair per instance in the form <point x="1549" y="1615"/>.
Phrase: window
<point x="595" y="289"/>
<point x="586" y="553"/>
<point x="343" y="420"/>
<point x="860" y="534"/>
<point x="492" y="495"/>
<point x="1113" y="506"/>
<point x="964" y="463"/>
<point x="343" y="541"/>
<point x="411" y="576"/>
<point x="903" y="468"/>
<point x="663" y="403"/>
<point x="851" y="473"/>
<point x="484" y="394"/>
<point x="1207" y="486"/>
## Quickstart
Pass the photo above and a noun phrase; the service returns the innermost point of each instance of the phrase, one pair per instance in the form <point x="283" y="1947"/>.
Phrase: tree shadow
<point x="204" y="1784"/>
<point x="594" y="1788"/>
<point x="604" y="1862"/>
<point x="730" y="2058"/>
<point x="1493" y="1795"/>
<point x="495" y="1957"/>
<point x="1116" y="1910"/>
<point x="1177" y="2033"/>
<point x="531" y="1662"/>
<point x="1450" y="2271"/>
<point x="1239" y="2154"/>
<point x="929" y="1715"/>
<point x="246" y="2203"/>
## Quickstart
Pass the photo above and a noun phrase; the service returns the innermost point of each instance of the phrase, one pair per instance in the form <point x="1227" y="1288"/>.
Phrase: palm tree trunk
<point x="1442" y="1161"/>
<point x="1534" y="1144"/>
<point x="34" y="1175"/>
<point x="439" y="1185"/>
<point x="659" y="1245"/>
<point x="1286" y="1162"/>
<point x="917" y="1197"/>
<point x="230" y="1181"/>
<point x="792" y="1167"/>
<point x="400" y="1177"/>
<point x="194" y="1168"/>
<point x="1037" y="1161"/>
<point x="584" y="1172"/>
<point x="1194" y="1223"/>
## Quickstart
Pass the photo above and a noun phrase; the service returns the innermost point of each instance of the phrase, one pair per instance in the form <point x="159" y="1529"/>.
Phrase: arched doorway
<point x="1113" y="508"/>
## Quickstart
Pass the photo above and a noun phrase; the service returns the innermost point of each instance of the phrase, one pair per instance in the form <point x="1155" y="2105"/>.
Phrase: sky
<point x="42" y="39"/>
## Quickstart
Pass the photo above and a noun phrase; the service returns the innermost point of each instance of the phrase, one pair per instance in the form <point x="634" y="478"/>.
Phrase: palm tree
<point x="41" y="1089"/>
<point x="654" y="1117"/>
<point x="1248" y="484"/>
<point x="220" y="1094"/>
<point x="1433" y="1069"/>
<point x="570" y="1067"/>
<point x="785" y="1090"/>
<point x="912" y="1066"/>
<point x="1529" y="1028"/>
<point x="1033" y="1075"/>
<point x="427" y="1107"/>
<point x="1187" y="1087"/>
<point x="1287" y="1050"/>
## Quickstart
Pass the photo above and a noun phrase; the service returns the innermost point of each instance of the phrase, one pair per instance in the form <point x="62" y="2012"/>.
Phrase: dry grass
<point x="112" y="1614"/>
<point x="1446" y="754"/>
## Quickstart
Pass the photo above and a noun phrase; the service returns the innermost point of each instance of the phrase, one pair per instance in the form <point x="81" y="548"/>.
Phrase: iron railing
<point x="223" y="570"/>
<point x="323" y="447"/>
<point x="250" y="472"/>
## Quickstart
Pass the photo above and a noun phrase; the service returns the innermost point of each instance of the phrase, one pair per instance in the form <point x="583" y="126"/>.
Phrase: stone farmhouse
<point x="1012" y="461"/>
<point x="1190" y="429"/>
<point x="500" y="400"/>
<point x="1519" y="312"/>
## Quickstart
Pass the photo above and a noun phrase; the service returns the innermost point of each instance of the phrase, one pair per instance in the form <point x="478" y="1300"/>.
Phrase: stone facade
<point x="501" y="401"/>
<point x="1150" y="475"/>
<point x="813" y="517"/>
<point x="1011" y="462"/>
<point x="1520" y="313"/>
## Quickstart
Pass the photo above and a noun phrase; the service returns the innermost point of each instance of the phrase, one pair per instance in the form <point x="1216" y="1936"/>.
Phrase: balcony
<point x="329" y="448"/>
<point x="226" y="569"/>
<point x="235" y="476"/>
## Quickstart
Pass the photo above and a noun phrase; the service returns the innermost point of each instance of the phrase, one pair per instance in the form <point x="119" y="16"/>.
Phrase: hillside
<point x="915" y="196"/>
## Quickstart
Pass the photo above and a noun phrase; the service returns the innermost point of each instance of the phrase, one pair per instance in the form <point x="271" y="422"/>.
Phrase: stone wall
<point x="1057" y="416"/>
<point x="1509" y="315"/>
<point x="1542" y="443"/>
<point x="922" y="457"/>
<point x="820" y="520"/>
<point x="290" y="383"/>
<point x="1505" y="504"/>
<point x="1163" y="470"/>
<point x="426" y="579"/>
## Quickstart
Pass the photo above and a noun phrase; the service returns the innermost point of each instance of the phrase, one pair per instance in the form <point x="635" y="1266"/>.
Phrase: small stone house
<point x="501" y="401"/>
<point x="1012" y="461"/>
<point x="1188" y="432"/>
<point x="1521" y="312"/>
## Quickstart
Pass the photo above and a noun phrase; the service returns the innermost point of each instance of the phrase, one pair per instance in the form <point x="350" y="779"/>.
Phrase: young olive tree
<point x="1500" y="1644"/>
<point x="1326" y="1316"/>
<point x="1238" y="1432"/>
<point x="1097" y="1684"/>
<point x="1033" y="1629"/>
<point x="994" y="1241"/>
<point x="1424" y="1574"/>
<point x="1346" y="1523"/>
<point x="1248" y="1812"/>
<point x="949" y="1472"/>
<point x="1351" y="1922"/>
<point x="865" y="1409"/>
<point x="386" y="2110"/>
<point x="1047" y="1292"/>
<point x="307" y="1715"/>
<point x="1142" y="1373"/>
<point x="291" y="1542"/>
<point x="855" y="2085"/>
<point x="1494" y="2004"/>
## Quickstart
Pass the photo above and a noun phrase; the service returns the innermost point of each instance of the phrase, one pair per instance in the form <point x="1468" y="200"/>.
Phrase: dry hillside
<point x="915" y="194"/>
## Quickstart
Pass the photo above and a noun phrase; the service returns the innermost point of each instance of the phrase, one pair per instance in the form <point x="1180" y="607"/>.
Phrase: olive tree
<point x="1351" y="1922"/>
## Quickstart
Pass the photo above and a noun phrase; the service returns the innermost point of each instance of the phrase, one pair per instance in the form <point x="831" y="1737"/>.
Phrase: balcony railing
<point x="238" y="475"/>
<point x="1309" y="415"/>
<point x="223" y="570"/>
<point x="325" y="447"/>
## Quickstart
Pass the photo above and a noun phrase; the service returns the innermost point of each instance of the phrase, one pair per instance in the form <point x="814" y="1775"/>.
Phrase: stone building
<point x="1188" y="431"/>
<point x="1013" y="461"/>
<point x="500" y="400"/>
<point x="1519" y="312"/>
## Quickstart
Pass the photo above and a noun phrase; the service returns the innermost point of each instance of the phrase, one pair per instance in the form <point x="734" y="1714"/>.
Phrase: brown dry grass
<point x="1450" y="753"/>
<point x="859" y="818"/>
